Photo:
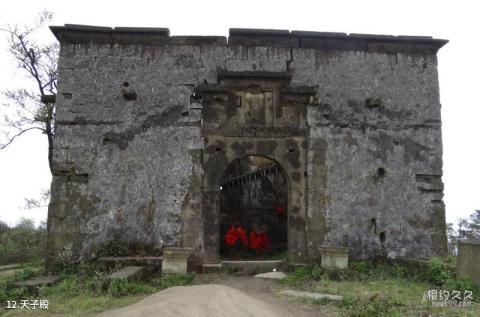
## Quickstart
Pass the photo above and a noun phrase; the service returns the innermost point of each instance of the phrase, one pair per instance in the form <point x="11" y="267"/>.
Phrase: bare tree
<point x="31" y="109"/>
<point x="42" y="201"/>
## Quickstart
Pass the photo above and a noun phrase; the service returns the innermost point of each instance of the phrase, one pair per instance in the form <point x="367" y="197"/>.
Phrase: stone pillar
<point x="174" y="260"/>
<point x="468" y="259"/>
<point x="211" y="214"/>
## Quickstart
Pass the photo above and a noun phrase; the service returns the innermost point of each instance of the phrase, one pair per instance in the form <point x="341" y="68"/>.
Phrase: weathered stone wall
<point x="130" y="153"/>
<point x="127" y="173"/>
<point x="375" y="152"/>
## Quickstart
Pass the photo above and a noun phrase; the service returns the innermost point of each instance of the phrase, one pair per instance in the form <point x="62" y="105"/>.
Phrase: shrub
<point x="451" y="259"/>
<point x="361" y="267"/>
<point x="23" y="242"/>
<point x="317" y="273"/>
<point x="438" y="273"/>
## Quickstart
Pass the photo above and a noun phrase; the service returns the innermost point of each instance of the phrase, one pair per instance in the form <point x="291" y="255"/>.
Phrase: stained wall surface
<point x="147" y="123"/>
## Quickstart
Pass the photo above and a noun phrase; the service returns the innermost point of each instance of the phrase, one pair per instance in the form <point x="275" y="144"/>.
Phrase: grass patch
<point x="167" y="281"/>
<point x="384" y="289"/>
<point x="83" y="290"/>
<point x="379" y="304"/>
<point x="9" y="293"/>
<point x="77" y="306"/>
<point x="123" y="287"/>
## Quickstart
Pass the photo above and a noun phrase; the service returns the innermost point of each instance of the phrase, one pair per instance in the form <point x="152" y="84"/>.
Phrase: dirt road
<point x="230" y="296"/>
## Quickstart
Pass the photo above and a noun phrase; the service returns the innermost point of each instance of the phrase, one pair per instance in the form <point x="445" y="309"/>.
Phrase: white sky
<point x="23" y="166"/>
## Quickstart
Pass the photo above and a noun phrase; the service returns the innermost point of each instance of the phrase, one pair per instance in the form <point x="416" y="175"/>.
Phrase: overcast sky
<point x="24" y="168"/>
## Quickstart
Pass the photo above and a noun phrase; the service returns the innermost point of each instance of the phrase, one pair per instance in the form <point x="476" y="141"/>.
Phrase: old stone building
<point x="321" y="138"/>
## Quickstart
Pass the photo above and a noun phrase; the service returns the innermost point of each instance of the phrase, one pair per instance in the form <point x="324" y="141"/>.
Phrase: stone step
<point x="254" y="266"/>
<point x="130" y="273"/>
<point x="311" y="295"/>
<point x="212" y="268"/>
<point x="153" y="263"/>
<point x="276" y="275"/>
<point x="35" y="283"/>
<point x="7" y="273"/>
<point x="10" y="267"/>
<point x="132" y="260"/>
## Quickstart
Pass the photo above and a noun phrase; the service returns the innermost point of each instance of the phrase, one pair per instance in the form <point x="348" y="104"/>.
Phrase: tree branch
<point x="17" y="135"/>
<point x="40" y="64"/>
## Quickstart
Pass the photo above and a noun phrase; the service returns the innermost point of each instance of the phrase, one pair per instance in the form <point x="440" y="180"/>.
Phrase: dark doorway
<point x="253" y="210"/>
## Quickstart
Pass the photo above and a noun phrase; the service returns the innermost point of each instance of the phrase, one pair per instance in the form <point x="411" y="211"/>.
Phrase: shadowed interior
<point x="253" y="196"/>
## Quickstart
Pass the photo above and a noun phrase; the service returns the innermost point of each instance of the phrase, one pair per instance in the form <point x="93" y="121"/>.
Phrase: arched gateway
<point x="251" y="116"/>
<point x="253" y="209"/>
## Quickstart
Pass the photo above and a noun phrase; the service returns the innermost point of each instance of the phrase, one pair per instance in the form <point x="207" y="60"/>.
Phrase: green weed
<point x="380" y="304"/>
<point x="123" y="287"/>
<point x="438" y="273"/>
<point x="8" y="292"/>
<point x="167" y="281"/>
<point x="380" y="288"/>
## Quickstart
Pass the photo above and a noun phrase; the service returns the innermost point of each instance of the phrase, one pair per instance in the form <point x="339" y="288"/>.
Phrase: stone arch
<point x="289" y="153"/>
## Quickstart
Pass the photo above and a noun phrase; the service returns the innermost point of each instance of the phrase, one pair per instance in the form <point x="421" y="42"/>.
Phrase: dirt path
<point x="265" y="289"/>
<point x="224" y="295"/>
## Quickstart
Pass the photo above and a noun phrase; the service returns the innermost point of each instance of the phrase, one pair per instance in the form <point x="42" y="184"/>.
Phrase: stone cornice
<point x="80" y="34"/>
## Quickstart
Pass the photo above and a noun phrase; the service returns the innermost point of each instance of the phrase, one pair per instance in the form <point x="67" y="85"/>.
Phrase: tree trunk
<point x="49" y="128"/>
<point x="50" y="148"/>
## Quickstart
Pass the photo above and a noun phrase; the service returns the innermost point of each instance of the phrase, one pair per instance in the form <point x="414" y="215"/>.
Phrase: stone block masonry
<point x="147" y="123"/>
<point x="468" y="259"/>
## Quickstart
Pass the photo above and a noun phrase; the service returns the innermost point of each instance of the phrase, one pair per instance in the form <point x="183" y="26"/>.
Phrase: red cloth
<point x="231" y="236"/>
<point x="254" y="240"/>
<point x="265" y="242"/>
<point x="280" y="210"/>
<point x="259" y="241"/>
<point x="242" y="234"/>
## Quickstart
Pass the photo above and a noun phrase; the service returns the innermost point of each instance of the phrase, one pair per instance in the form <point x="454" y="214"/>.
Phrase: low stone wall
<point x="468" y="259"/>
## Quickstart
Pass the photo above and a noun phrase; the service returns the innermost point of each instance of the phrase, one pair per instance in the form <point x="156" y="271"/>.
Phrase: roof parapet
<point x="337" y="41"/>
<point x="74" y="33"/>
